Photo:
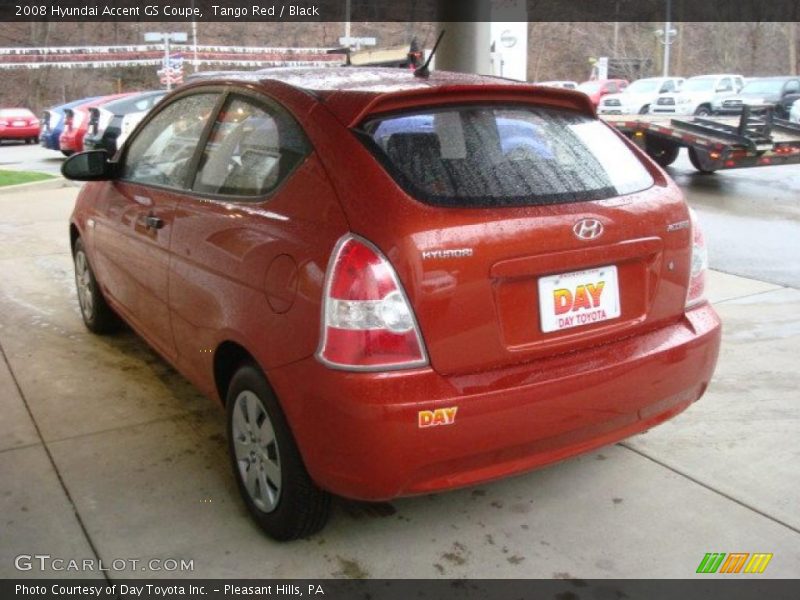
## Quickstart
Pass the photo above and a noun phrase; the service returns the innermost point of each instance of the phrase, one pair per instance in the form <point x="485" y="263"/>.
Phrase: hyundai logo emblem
<point x="588" y="229"/>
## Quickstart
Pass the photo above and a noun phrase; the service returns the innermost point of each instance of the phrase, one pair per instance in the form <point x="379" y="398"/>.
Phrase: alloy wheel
<point x="83" y="282"/>
<point x="256" y="450"/>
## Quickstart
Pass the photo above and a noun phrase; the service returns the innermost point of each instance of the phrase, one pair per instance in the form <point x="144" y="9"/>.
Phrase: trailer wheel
<point x="661" y="151"/>
<point x="694" y="158"/>
<point x="703" y="111"/>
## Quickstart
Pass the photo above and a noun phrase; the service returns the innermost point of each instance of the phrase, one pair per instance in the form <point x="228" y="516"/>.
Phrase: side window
<point x="668" y="86"/>
<point x="611" y="87"/>
<point x="250" y="151"/>
<point x="724" y="85"/>
<point x="793" y="87"/>
<point x="161" y="152"/>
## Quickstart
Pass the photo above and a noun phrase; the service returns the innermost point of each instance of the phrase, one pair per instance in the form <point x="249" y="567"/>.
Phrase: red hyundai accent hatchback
<point x="396" y="284"/>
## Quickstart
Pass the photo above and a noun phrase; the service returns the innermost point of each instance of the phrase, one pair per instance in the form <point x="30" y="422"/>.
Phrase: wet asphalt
<point x="751" y="218"/>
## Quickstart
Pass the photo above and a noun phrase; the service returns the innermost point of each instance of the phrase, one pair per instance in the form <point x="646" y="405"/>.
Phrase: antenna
<point x="423" y="71"/>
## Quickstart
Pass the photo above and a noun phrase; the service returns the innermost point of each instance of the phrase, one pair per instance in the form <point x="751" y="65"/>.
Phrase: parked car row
<point x="99" y="122"/>
<point x="637" y="97"/>
<point x="780" y="92"/>
<point x="697" y="95"/>
<point x="703" y="95"/>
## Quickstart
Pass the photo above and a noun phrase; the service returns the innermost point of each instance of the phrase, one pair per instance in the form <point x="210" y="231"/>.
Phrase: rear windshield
<point x="484" y="156"/>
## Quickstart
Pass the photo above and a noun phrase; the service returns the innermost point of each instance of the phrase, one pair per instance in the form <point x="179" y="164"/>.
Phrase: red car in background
<point x="598" y="88"/>
<point x="396" y="284"/>
<point x="76" y="123"/>
<point x="18" y="124"/>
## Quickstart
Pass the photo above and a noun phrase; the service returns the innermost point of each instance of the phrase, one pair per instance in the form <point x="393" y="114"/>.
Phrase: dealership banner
<point x="399" y="10"/>
<point x="394" y="589"/>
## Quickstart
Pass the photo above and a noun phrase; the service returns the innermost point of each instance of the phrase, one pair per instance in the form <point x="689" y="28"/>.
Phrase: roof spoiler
<point x="511" y="93"/>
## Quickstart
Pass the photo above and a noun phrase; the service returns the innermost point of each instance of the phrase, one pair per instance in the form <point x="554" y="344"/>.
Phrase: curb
<point x="47" y="184"/>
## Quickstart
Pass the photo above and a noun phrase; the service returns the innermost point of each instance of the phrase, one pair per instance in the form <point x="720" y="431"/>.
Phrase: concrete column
<point x="466" y="44"/>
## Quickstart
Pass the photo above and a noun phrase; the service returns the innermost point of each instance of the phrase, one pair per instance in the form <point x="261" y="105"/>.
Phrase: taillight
<point x="367" y="321"/>
<point x="699" y="264"/>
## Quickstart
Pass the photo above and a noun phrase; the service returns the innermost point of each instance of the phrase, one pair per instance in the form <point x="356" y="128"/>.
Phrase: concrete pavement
<point x="106" y="452"/>
<point x="23" y="157"/>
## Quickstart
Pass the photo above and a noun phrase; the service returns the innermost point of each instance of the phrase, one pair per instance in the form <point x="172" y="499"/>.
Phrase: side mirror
<point x="88" y="166"/>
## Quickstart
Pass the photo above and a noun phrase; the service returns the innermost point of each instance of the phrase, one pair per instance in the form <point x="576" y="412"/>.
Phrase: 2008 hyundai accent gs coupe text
<point x="396" y="284"/>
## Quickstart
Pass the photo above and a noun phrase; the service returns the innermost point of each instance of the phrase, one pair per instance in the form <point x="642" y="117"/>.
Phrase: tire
<point x="644" y="110"/>
<point x="27" y="141"/>
<point x="664" y="153"/>
<point x="702" y="111"/>
<point x="281" y="496"/>
<point x="694" y="158"/>
<point x="97" y="315"/>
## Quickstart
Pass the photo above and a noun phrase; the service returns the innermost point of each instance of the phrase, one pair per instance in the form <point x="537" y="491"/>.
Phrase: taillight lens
<point x="367" y="321"/>
<point x="699" y="264"/>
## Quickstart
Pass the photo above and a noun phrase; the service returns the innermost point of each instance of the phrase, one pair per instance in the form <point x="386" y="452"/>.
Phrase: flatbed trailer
<point x="752" y="140"/>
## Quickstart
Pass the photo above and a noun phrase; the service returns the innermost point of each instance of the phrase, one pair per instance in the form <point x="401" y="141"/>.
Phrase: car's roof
<point x="348" y="91"/>
<point x="657" y="78"/>
<point x="132" y="98"/>
<point x="774" y="78"/>
<point x="15" y="110"/>
<point x="715" y="75"/>
<point x="602" y="80"/>
<point x="62" y="107"/>
<point x="356" y="79"/>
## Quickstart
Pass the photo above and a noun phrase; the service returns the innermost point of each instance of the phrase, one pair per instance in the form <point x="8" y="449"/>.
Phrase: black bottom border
<point x="729" y="588"/>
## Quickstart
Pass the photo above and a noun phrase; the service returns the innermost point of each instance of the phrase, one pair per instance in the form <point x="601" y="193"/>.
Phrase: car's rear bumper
<point x="360" y="437"/>
<point x="19" y="133"/>
<point x="681" y="110"/>
<point x="69" y="143"/>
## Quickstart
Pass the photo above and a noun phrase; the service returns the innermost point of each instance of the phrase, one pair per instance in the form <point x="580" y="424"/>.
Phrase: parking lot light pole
<point x="666" y="37"/>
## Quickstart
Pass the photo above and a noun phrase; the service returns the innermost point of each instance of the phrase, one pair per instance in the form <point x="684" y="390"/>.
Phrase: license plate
<point x="578" y="298"/>
<point x="19" y="123"/>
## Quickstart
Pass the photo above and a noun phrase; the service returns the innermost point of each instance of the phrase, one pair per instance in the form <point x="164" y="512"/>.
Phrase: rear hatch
<point x="519" y="231"/>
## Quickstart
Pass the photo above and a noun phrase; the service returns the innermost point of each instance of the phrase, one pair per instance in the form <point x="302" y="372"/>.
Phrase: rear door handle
<point x="153" y="222"/>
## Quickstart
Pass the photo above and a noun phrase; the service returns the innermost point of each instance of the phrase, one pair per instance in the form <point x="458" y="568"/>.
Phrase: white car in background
<point x="129" y="123"/>
<point x="697" y="94"/>
<point x="567" y="85"/>
<point x="794" y="112"/>
<point x="638" y="96"/>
